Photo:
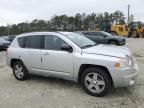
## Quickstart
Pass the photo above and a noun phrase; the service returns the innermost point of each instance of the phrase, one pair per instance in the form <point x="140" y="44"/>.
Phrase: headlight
<point x="127" y="62"/>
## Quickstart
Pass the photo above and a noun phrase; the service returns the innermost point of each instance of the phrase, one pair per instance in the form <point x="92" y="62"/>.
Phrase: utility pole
<point x="128" y="14"/>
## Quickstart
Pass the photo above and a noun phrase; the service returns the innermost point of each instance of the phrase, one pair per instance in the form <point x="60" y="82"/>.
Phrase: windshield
<point x="107" y="34"/>
<point x="80" y="40"/>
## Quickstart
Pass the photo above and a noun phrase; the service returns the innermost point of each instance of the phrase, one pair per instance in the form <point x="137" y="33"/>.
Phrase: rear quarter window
<point x="21" y="41"/>
<point x="93" y="34"/>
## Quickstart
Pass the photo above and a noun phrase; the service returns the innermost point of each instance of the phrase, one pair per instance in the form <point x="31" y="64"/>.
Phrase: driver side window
<point x="53" y="43"/>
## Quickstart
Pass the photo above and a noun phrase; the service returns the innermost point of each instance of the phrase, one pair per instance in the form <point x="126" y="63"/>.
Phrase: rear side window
<point x="34" y="42"/>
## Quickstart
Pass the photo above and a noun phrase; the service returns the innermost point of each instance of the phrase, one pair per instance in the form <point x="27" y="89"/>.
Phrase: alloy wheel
<point x="19" y="71"/>
<point x="94" y="82"/>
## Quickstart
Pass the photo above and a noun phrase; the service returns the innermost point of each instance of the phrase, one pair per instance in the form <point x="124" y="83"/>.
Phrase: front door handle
<point x="45" y="53"/>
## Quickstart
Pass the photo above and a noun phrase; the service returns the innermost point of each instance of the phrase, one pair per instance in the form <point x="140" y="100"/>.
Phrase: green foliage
<point x="78" y="22"/>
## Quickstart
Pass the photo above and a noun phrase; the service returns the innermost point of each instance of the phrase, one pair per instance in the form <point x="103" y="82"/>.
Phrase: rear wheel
<point x="19" y="70"/>
<point x="96" y="82"/>
<point x="135" y="34"/>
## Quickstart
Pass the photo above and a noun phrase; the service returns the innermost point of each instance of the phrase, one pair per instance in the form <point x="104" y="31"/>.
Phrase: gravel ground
<point x="41" y="92"/>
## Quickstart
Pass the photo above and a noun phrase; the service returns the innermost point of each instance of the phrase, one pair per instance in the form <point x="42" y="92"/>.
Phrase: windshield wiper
<point x="87" y="46"/>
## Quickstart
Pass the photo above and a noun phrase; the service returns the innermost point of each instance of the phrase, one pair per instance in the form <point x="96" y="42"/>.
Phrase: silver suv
<point x="72" y="56"/>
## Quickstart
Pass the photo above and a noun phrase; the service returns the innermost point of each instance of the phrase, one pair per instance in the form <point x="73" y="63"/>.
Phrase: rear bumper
<point x="125" y="77"/>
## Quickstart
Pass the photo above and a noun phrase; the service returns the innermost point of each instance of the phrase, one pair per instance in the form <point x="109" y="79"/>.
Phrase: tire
<point x="96" y="87"/>
<point x="135" y="34"/>
<point x="113" y="42"/>
<point x="20" y="72"/>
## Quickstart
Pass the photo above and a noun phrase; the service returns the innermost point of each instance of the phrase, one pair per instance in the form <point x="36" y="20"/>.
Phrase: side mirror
<point x="67" y="47"/>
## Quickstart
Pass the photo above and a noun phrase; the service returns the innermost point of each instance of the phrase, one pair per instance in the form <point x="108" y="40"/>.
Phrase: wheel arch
<point x="14" y="60"/>
<point x="86" y="66"/>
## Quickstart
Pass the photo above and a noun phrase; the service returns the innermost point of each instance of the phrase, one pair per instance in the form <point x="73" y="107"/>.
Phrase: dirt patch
<point x="138" y="55"/>
<point x="2" y="66"/>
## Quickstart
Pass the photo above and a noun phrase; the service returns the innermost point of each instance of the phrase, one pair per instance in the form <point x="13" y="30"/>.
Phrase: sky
<point x="16" y="11"/>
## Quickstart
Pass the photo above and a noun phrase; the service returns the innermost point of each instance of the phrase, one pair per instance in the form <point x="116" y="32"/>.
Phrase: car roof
<point x="43" y="33"/>
<point x="65" y="33"/>
<point x="94" y="31"/>
<point x="34" y="33"/>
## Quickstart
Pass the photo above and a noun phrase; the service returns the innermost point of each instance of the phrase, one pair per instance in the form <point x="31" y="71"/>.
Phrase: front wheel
<point x="19" y="70"/>
<point x="96" y="82"/>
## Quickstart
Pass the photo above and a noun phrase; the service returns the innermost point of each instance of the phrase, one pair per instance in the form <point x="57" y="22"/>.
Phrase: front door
<point x="56" y="62"/>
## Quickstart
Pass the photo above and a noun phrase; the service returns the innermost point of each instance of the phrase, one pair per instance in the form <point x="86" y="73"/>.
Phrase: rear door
<point x="32" y="52"/>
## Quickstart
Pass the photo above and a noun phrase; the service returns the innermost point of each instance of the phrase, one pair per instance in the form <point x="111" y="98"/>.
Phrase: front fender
<point x="92" y="59"/>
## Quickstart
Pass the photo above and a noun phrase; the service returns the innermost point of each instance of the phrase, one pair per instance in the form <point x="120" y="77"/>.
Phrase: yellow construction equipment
<point x="120" y="30"/>
<point x="136" y="30"/>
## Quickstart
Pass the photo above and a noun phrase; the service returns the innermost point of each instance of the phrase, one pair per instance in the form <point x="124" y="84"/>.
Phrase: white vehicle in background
<point x="72" y="56"/>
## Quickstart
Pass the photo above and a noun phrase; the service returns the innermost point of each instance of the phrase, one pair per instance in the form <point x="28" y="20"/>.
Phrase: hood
<point x="118" y="36"/>
<point x="3" y="41"/>
<point x="108" y="50"/>
<point x="7" y="42"/>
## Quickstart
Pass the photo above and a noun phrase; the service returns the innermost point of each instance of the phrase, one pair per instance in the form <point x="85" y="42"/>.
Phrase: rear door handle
<point x="45" y="53"/>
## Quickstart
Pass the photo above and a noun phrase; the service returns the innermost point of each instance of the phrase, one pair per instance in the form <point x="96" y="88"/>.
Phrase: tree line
<point x="79" y="22"/>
